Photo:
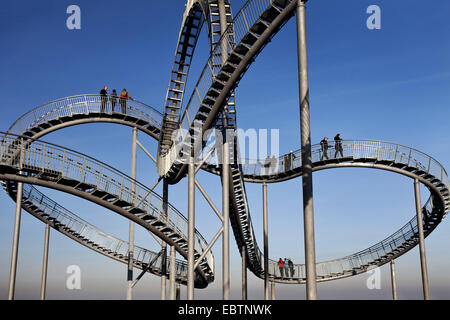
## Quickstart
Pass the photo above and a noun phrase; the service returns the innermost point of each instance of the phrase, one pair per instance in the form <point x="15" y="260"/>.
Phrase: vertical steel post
<point x="266" y="243"/>
<point x="273" y="290"/>
<point x="423" y="260"/>
<point x="45" y="262"/>
<point x="225" y="171"/>
<point x="244" y="272"/>
<point x="226" y="221"/>
<point x="15" y="245"/>
<point x="393" y="281"/>
<point x="178" y="295"/>
<point x="172" y="274"/>
<point x="191" y="227"/>
<point x="163" y="244"/>
<point x="131" y="227"/>
<point x="308" y="207"/>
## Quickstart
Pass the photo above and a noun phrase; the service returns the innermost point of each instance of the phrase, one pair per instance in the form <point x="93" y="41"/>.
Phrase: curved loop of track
<point x="368" y="154"/>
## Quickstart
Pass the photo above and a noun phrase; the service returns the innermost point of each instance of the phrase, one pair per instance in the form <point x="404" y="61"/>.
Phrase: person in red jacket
<point x="281" y="266"/>
<point x="124" y="96"/>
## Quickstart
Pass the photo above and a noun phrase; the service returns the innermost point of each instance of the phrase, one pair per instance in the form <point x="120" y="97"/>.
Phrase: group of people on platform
<point x="123" y="97"/>
<point x="270" y="165"/>
<point x="337" y="147"/>
<point x="286" y="268"/>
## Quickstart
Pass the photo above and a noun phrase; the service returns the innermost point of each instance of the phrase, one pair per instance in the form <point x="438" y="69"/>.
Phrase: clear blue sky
<point x="390" y="84"/>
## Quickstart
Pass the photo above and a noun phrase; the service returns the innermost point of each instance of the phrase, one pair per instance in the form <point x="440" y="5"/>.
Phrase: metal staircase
<point x="55" y="167"/>
<point x="72" y="226"/>
<point x="253" y="27"/>
<point x="85" y="108"/>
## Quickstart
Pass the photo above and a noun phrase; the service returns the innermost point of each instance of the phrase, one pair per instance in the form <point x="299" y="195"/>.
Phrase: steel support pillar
<point x="191" y="228"/>
<point x="273" y="290"/>
<point x="266" y="242"/>
<point x="244" y="272"/>
<point x="393" y="281"/>
<point x="172" y="273"/>
<point x="131" y="226"/>
<point x="15" y="245"/>
<point x="45" y="262"/>
<point x="423" y="260"/>
<point x="178" y="293"/>
<point x="308" y="207"/>
<point x="225" y="172"/>
<point x="163" y="244"/>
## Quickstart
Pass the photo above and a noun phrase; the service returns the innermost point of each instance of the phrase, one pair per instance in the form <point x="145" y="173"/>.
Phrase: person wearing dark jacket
<point x="324" y="146"/>
<point x="291" y="267"/>
<point x="103" y="98"/>
<point x="338" y="145"/>
<point x="113" y="99"/>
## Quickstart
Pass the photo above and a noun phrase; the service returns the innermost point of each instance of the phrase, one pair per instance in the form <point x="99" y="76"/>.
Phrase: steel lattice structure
<point x="235" y="42"/>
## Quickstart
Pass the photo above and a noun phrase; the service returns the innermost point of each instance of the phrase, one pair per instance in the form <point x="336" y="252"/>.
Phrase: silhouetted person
<point x="113" y="99"/>
<point x="338" y="145"/>
<point x="267" y="165"/>
<point x="103" y="98"/>
<point x="274" y="164"/>
<point x="291" y="159"/>
<point x="124" y="96"/>
<point x="291" y="267"/>
<point x="324" y="146"/>
<point x="286" y="267"/>
<point x="287" y="164"/>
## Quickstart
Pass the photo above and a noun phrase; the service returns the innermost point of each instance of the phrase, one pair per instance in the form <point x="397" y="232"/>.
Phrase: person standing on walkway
<point x="274" y="164"/>
<point x="267" y="165"/>
<point x="113" y="99"/>
<point x="124" y="96"/>
<point x="338" y="145"/>
<point x="291" y="267"/>
<point x="324" y="146"/>
<point x="292" y="158"/>
<point x="286" y="267"/>
<point x="103" y="98"/>
<point x="281" y="267"/>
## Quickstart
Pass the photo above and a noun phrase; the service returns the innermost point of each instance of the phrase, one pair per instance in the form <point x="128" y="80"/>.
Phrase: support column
<point x="266" y="243"/>
<point x="308" y="207"/>
<point x="191" y="228"/>
<point x="244" y="272"/>
<point x="163" y="244"/>
<point x="225" y="172"/>
<point x="393" y="281"/>
<point x="423" y="260"/>
<point x="172" y="274"/>
<point x="178" y="295"/>
<point x="273" y="290"/>
<point x="131" y="226"/>
<point x="15" y="245"/>
<point x="45" y="262"/>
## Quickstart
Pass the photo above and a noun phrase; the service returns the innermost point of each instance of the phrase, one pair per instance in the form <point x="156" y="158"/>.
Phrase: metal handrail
<point x="358" y="148"/>
<point x="246" y="17"/>
<point x="70" y="164"/>
<point x="48" y="208"/>
<point x="83" y="104"/>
